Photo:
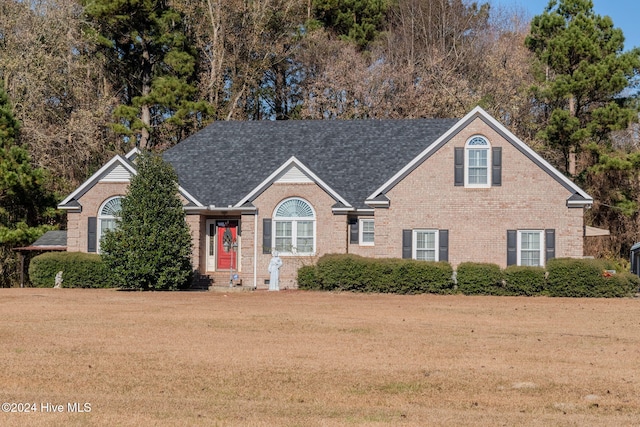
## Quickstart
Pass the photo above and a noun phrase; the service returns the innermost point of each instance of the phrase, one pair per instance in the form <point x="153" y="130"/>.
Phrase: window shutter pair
<point x="443" y="244"/>
<point x="496" y="166"/>
<point x="512" y="245"/>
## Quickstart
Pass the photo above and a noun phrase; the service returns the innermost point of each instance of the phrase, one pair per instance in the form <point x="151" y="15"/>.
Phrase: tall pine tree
<point x="582" y="72"/>
<point x="152" y="65"/>
<point x="27" y="209"/>
<point x="358" y="21"/>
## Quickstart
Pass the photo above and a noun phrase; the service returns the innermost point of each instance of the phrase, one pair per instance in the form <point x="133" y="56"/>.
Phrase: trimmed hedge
<point x="475" y="278"/>
<point x="586" y="278"/>
<point x="523" y="280"/>
<point x="562" y="277"/>
<point x="384" y="275"/>
<point x="307" y="278"/>
<point x="79" y="270"/>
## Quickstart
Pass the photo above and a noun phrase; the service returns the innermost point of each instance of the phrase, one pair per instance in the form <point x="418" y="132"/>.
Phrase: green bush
<point x="347" y="272"/>
<point x="476" y="278"/>
<point x="628" y="284"/>
<point x="585" y="278"/>
<point x="563" y="277"/>
<point x="79" y="270"/>
<point x="423" y="277"/>
<point x="523" y="280"/>
<point x="307" y="278"/>
<point x="341" y="272"/>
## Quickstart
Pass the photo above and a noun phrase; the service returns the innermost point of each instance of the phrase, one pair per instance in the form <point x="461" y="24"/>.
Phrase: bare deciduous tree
<point x="60" y="95"/>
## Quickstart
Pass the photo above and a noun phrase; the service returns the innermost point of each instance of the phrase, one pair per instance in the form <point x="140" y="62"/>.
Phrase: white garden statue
<point x="274" y="272"/>
<point x="57" y="282"/>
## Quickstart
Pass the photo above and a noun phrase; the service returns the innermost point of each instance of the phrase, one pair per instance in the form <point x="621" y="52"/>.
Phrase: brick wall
<point x="478" y="218"/>
<point x="77" y="223"/>
<point x="331" y="232"/>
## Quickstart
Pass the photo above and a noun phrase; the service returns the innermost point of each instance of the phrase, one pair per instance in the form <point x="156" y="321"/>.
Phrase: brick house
<point x="430" y="189"/>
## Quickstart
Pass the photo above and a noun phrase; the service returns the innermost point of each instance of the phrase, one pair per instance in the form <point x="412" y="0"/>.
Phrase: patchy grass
<point x="308" y="359"/>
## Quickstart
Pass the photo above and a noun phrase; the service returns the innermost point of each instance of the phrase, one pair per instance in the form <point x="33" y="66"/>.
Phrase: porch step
<point x="200" y="282"/>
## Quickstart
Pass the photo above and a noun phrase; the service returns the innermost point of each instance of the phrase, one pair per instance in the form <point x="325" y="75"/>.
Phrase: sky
<point x="624" y="13"/>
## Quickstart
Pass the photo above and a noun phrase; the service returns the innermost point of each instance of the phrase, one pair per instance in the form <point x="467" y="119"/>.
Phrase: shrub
<point x="151" y="248"/>
<point x="79" y="270"/>
<point x="627" y="284"/>
<point x="423" y="277"/>
<point x="307" y="278"/>
<point x="348" y="272"/>
<point x="570" y="277"/>
<point x="341" y="272"/>
<point x="480" y="279"/>
<point x="523" y="280"/>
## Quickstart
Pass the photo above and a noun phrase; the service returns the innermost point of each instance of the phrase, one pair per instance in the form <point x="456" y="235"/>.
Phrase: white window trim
<point x="468" y="148"/>
<point x="436" y="242"/>
<point x="361" y="241"/>
<point x="294" y="229"/>
<point x="542" y="245"/>
<point x="102" y="217"/>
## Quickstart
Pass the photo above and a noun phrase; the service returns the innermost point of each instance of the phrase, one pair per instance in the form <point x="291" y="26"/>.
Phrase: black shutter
<point x="496" y="169"/>
<point x="550" y="243"/>
<point x="354" y="237"/>
<point x="512" y="247"/>
<point x="92" y="234"/>
<point x="458" y="166"/>
<point x="407" y="246"/>
<point x="266" y="235"/>
<point x="443" y="242"/>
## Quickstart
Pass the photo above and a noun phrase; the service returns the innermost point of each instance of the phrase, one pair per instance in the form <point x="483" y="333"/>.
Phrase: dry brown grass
<point x="318" y="359"/>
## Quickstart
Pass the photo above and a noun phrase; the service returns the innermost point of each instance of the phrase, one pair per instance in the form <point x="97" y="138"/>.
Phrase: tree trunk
<point x="145" y="109"/>
<point x="572" y="150"/>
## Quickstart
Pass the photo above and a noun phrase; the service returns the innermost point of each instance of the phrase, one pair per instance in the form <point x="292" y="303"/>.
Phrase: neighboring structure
<point x="454" y="190"/>
<point x="54" y="240"/>
<point x="635" y="259"/>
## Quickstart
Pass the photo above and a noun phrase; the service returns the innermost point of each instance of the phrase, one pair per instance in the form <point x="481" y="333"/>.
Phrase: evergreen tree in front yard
<point x="27" y="208"/>
<point x="151" y="247"/>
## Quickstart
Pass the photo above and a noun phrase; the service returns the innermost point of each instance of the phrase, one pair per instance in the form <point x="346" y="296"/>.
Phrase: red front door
<point x="227" y="234"/>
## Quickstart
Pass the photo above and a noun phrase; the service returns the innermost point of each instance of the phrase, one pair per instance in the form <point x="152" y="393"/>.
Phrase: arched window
<point x="478" y="159"/>
<point x="295" y="227"/>
<point x="109" y="211"/>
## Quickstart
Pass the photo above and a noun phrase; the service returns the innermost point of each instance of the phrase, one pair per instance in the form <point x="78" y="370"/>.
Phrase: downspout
<point x="348" y="236"/>
<point x="255" y="251"/>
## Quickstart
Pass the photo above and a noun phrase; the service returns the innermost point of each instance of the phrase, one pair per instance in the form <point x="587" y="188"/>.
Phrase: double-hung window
<point x="425" y="245"/>
<point x="295" y="227"/>
<point x="531" y="247"/>
<point x="366" y="232"/>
